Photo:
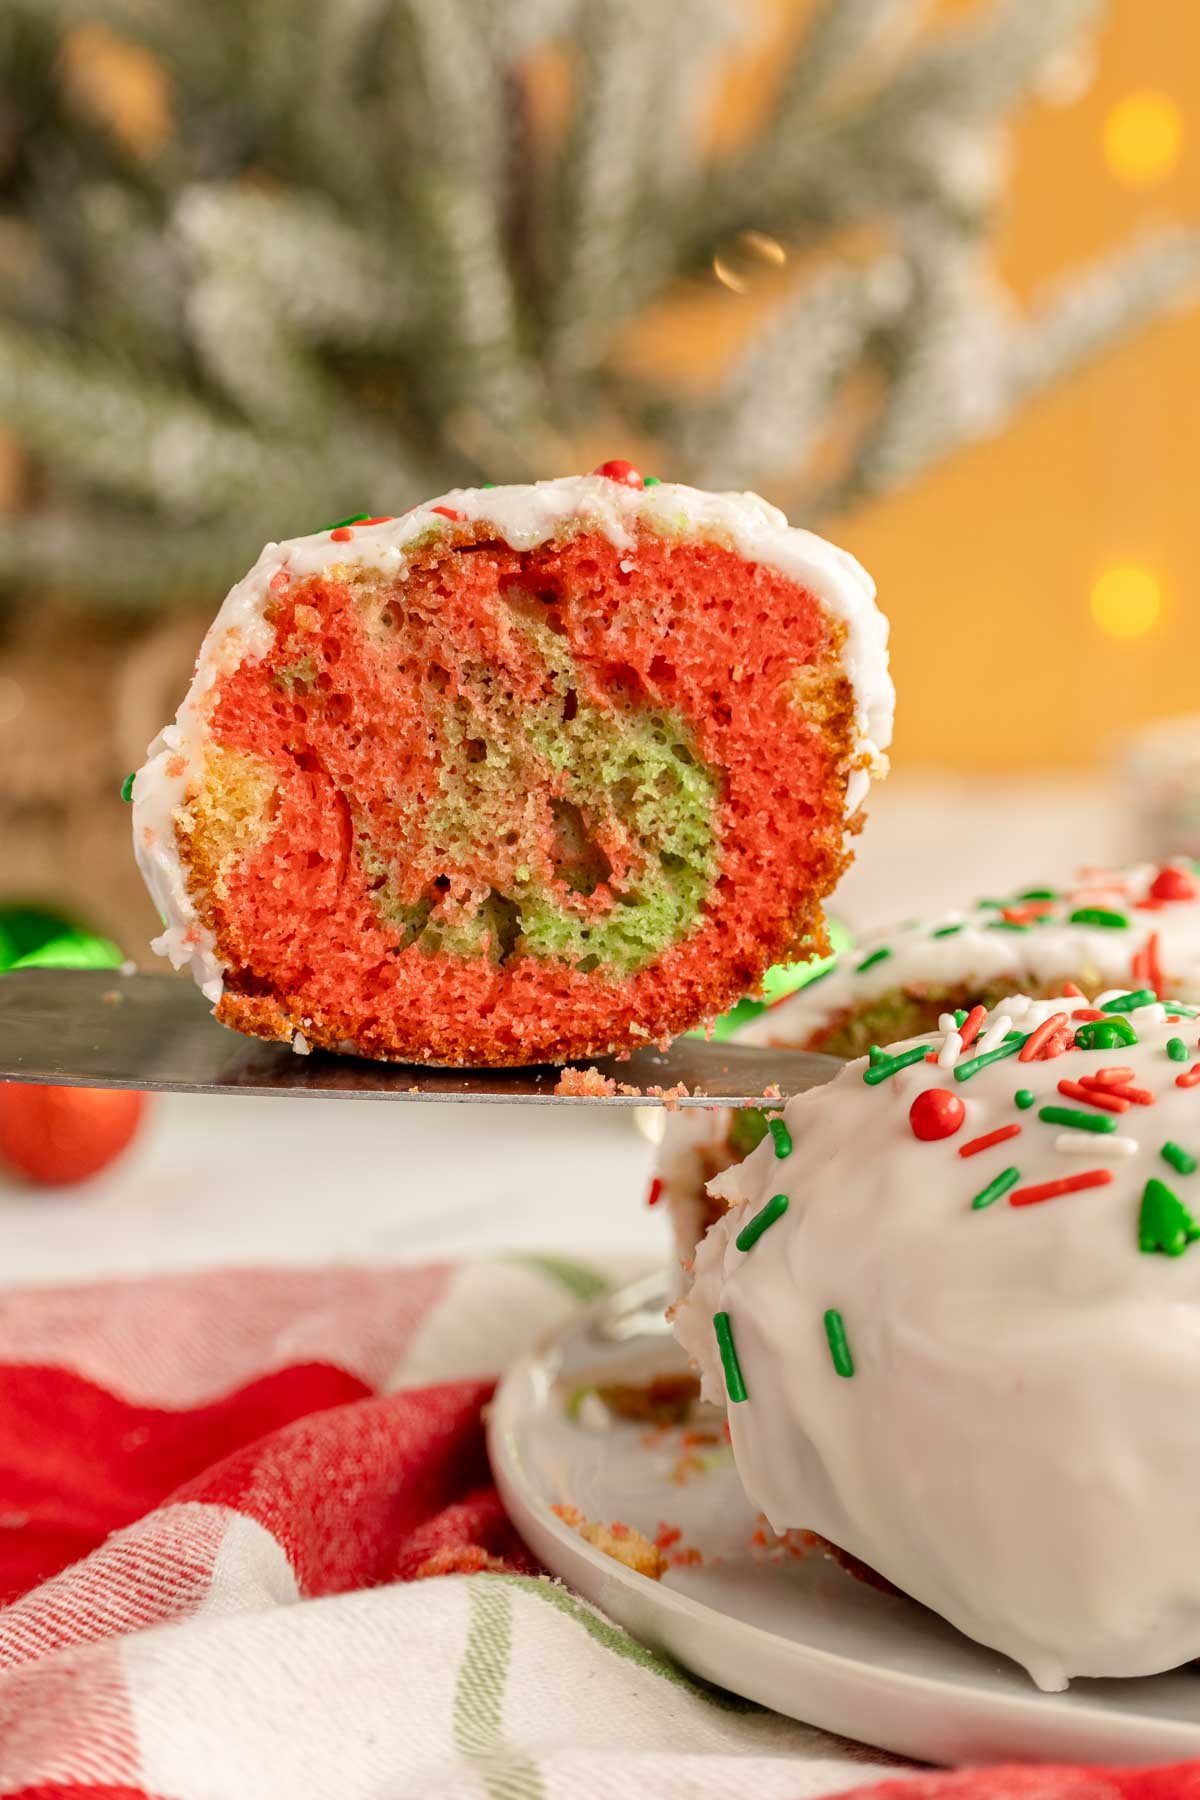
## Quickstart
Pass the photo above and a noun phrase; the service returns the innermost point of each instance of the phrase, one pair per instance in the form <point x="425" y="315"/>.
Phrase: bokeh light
<point x="1143" y="138"/>
<point x="1126" y="601"/>
<point x="745" y="257"/>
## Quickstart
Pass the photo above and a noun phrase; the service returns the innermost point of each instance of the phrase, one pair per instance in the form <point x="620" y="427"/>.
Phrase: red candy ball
<point x="936" y="1114"/>
<point x="1172" y="884"/>
<point x="56" y="1135"/>
<point x="621" y="471"/>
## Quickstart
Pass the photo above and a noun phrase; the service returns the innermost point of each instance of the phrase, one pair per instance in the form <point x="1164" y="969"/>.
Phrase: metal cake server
<point x="99" y="1028"/>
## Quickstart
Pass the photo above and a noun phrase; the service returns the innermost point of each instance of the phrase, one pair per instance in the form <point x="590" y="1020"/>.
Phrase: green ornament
<point x="1105" y="1034"/>
<point x="780" y="981"/>
<point x="747" y="1129"/>
<point x="1164" y="1222"/>
<point x="72" y="950"/>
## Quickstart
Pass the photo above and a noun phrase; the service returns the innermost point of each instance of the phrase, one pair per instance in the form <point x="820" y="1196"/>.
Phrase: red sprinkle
<point x="1190" y="1077"/>
<point x="1116" y="1074"/>
<point x="1103" y="1098"/>
<point x="1154" y="973"/>
<point x="1086" y="1012"/>
<point x="448" y="512"/>
<point x="1039" y="1035"/>
<point x="988" y="1139"/>
<point x="666" y="1535"/>
<point x="1071" y="992"/>
<point x="655" y="1194"/>
<point x="1120" y="1090"/>
<point x="970" y="1027"/>
<point x="1026" y="914"/>
<point x="1067" y="1184"/>
<point x="380" y="519"/>
<point x="620" y="471"/>
<point x="936" y="1113"/>
<point x="1062" y="1040"/>
<point x="342" y="535"/>
<point x="1172" y="884"/>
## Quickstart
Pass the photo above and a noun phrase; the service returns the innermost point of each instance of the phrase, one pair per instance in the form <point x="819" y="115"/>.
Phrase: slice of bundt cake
<point x="528" y="774"/>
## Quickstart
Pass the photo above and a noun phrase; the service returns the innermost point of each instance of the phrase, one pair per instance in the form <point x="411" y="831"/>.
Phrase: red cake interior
<point x="343" y="912"/>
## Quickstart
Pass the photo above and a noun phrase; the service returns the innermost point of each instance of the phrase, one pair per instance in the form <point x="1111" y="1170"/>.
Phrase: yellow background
<point x="986" y="566"/>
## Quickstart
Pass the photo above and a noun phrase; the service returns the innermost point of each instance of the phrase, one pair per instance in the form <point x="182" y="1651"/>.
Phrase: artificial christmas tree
<point x="263" y="265"/>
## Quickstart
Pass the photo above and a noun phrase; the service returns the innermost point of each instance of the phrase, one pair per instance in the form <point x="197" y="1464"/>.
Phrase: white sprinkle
<point x="946" y="1022"/>
<point x="301" y="1045"/>
<point x="994" y="1036"/>
<point x="951" y="1050"/>
<point x="1091" y="1143"/>
<point x="128" y="967"/>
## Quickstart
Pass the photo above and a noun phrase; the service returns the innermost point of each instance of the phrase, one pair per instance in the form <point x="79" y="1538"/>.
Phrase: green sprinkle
<point x="835" y="1337"/>
<point x="963" y="1071"/>
<point x="960" y="1017"/>
<point x="876" y="1055"/>
<point x="488" y="484"/>
<point x="1105" y="1034"/>
<point x="1075" y="1119"/>
<point x="782" y="1137"/>
<point x="999" y="1184"/>
<point x="997" y="904"/>
<point x="889" y="1065"/>
<point x="1007" y="925"/>
<point x="945" y="931"/>
<point x="127" y="788"/>
<point x="869" y="962"/>
<point x="1177" y="1050"/>
<point x="1038" y="894"/>
<point x="762" y="1221"/>
<point x="747" y="1130"/>
<point x="1099" y="915"/>
<point x="735" y="1386"/>
<point x="1024" y="1098"/>
<point x="651" y="480"/>
<point x="1185" y="1012"/>
<point x="1128" y="1002"/>
<point x="1164" y="1223"/>
<point x="1180" y="1159"/>
<point x="354" y="519"/>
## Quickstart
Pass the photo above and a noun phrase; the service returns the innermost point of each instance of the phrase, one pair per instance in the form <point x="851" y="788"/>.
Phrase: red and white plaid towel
<point x="223" y="1498"/>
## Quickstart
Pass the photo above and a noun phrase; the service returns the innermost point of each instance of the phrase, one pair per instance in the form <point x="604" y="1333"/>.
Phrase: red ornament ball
<point x="1172" y="884"/>
<point x="936" y="1114"/>
<point x="57" y="1135"/>
<point x="622" y="472"/>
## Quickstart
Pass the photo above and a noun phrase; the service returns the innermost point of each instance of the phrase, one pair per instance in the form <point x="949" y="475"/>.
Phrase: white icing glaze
<point x="1019" y="1444"/>
<point x="984" y="955"/>
<point x="978" y="956"/>
<point x="524" y="517"/>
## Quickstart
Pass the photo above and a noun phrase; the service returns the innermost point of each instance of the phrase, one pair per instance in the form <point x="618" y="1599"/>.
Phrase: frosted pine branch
<point x="778" y="398"/>
<point x="1081" y="317"/>
<point x="333" y="281"/>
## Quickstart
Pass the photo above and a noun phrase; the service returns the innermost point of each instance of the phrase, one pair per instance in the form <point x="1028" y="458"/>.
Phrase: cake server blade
<point x="99" y="1028"/>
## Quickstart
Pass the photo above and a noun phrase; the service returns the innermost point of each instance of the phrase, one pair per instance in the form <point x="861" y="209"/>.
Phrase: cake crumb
<point x="587" y="1084"/>
<point x="662" y="1400"/>
<point x="624" y="1543"/>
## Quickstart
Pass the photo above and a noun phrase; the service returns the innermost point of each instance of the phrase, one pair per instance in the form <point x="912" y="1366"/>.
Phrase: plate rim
<point x="523" y="1501"/>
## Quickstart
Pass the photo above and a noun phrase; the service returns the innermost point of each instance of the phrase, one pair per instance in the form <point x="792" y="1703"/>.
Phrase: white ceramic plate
<point x="796" y="1634"/>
